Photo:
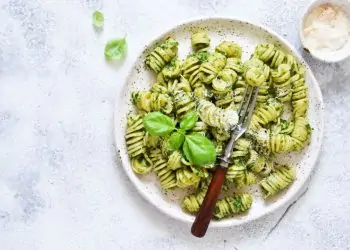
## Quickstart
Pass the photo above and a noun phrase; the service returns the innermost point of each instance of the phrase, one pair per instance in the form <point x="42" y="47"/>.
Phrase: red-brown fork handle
<point x="203" y="218"/>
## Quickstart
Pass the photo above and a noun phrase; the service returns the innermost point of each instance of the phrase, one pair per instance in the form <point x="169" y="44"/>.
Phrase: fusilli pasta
<point x="162" y="54"/>
<point x="277" y="181"/>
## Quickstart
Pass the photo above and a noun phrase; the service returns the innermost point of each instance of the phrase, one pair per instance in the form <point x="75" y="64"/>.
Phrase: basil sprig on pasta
<point x="197" y="149"/>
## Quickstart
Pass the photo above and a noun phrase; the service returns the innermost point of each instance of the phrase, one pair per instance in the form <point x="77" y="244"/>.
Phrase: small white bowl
<point x="330" y="57"/>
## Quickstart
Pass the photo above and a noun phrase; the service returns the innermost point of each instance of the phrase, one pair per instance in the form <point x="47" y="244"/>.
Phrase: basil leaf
<point x="115" y="49"/>
<point x="189" y="121"/>
<point x="159" y="124"/>
<point x="176" y="140"/>
<point x="199" y="150"/>
<point x="98" y="19"/>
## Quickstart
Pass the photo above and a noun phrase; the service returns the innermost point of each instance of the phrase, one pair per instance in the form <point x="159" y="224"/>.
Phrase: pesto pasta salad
<point x="182" y="123"/>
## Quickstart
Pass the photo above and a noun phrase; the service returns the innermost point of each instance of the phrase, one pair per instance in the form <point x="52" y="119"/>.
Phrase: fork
<point x="245" y="111"/>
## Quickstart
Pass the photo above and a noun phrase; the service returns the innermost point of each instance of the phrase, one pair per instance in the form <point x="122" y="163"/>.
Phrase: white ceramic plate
<point x="248" y="35"/>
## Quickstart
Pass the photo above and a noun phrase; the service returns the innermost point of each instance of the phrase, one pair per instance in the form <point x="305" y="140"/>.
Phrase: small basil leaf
<point x="97" y="19"/>
<point x="199" y="150"/>
<point x="189" y="121"/>
<point x="115" y="49"/>
<point x="176" y="140"/>
<point x="159" y="124"/>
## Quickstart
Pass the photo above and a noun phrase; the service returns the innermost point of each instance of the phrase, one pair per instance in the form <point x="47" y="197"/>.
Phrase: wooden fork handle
<point x="203" y="218"/>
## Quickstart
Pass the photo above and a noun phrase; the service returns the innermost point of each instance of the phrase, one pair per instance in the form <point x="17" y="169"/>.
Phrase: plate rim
<point x="318" y="92"/>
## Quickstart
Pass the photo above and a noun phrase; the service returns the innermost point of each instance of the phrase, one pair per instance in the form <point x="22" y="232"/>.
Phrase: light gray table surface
<point x="60" y="185"/>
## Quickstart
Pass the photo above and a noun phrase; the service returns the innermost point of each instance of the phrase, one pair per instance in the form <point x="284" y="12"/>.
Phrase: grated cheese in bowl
<point x="326" y="31"/>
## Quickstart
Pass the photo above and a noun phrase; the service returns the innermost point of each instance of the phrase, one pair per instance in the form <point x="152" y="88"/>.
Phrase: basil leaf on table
<point x="176" y="140"/>
<point x="98" y="19"/>
<point x="115" y="49"/>
<point x="159" y="124"/>
<point x="189" y="121"/>
<point x="199" y="150"/>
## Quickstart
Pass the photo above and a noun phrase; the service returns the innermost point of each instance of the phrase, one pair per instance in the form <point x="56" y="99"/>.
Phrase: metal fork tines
<point x="245" y="112"/>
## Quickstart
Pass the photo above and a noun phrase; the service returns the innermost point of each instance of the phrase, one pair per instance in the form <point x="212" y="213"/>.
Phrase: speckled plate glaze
<point x="248" y="35"/>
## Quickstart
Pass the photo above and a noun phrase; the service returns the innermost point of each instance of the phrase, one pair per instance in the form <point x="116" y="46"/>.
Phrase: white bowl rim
<point x="311" y="6"/>
<point x="295" y="192"/>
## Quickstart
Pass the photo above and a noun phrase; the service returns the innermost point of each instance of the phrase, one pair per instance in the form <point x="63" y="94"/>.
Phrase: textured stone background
<point x="60" y="187"/>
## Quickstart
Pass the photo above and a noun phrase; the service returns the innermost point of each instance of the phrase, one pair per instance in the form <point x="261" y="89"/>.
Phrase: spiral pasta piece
<point x="191" y="66"/>
<point x="193" y="202"/>
<point x="185" y="177"/>
<point x="255" y="161"/>
<point x="178" y="85"/>
<point x="167" y="177"/>
<point x="220" y="134"/>
<point x="141" y="164"/>
<point x="259" y="164"/>
<point x="230" y="206"/>
<point x="295" y="67"/>
<point x="224" y="100"/>
<point x="278" y="58"/>
<point x="174" y="160"/>
<point x="281" y="82"/>
<point x="184" y="103"/>
<point x="278" y="180"/>
<point x="234" y="64"/>
<point x="222" y="86"/>
<point x="263" y="114"/>
<point x="172" y="69"/>
<point x="159" y="88"/>
<point x="255" y="72"/>
<point x="265" y="52"/>
<point x="161" y="79"/>
<point x="274" y="57"/>
<point x="282" y="127"/>
<point x="229" y="49"/>
<point x="202" y="92"/>
<point x="152" y="101"/>
<point x="222" y="91"/>
<point x="151" y="141"/>
<point x="254" y="77"/>
<point x="261" y="140"/>
<point x="241" y="148"/>
<point x="200" y="41"/>
<point x="216" y="117"/>
<point x="200" y="127"/>
<point x="282" y="143"/>
<point x="301" y="132"/>
<point x="235" y="171"/>
<point x="134" y="136"/>
<point x="290" y="60"/>
<point x="229" y="76"/>
<point x="264" y="92"/>
<point x="300" y="100"/>
<point x="249" y="178"/>
<point x="210" y="69"/>
<point x="162" y="54"/>
<point x="164" y="147"/>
